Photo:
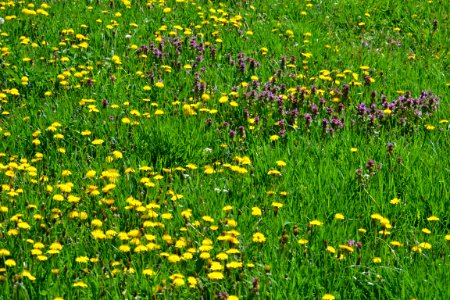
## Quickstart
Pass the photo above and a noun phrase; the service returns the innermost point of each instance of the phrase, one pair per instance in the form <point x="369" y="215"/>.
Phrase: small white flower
<point x="128" y="36"/>
<point x="2" y="21"/>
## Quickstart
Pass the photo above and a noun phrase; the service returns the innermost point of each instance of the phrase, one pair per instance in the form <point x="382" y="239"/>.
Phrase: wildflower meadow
<point x="248" y="149"/>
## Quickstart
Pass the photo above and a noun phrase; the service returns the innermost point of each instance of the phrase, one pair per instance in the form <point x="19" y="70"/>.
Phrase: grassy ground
<point x="224" y="150"/>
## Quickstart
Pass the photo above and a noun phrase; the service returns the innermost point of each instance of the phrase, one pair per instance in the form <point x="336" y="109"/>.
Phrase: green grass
<point x="233" y="143"/>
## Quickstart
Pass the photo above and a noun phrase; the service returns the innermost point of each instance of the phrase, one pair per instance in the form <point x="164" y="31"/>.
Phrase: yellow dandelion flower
<point x="256" y="211"/>
<point x="425" y="245"/>
<point x="395" y="201"/>
<point x="27" y="274"/>
<point x="215" y="275"/>
<point x="274" y="138"/>
<point x="258" y="237"/>
<point x="173" y="258"/>
<point x="426" y="231"/>
<point x="376" y="260"/>
<point x="395" y="244"/>
<point x="315" y="223"/>
<point x="303" y="241"/>
<point x="339" y="216"/>
<point x="273" y="172"/>
<point x="178" y="281"/>
<point x="82" y="259"/>
<point x="331" y="249"/>
<point x="80" y="284"/>
<point x="10" y="263"/>
<point x="148" y="272"/>
<point x="97" y="142"/>
<point x="346" y="247"/>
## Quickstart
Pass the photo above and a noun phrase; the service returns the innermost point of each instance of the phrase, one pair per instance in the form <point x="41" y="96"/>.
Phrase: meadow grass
<point x="224" y="150"/>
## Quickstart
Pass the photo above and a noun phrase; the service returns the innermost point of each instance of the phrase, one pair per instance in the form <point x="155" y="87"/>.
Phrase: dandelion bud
<point x="295" y="230"/>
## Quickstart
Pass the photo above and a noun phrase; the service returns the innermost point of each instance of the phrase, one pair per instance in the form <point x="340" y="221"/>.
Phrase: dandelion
<point x="330" y="249"/>
<point x="395" y="201"/>
<point x="215" y="275"/>
<point x="281" y="163"/>
<point x="173" y="258"/>
<point x="376" y="260"/>
<point x="346" y="248"/>
<point x="376" y="217"/>
<point x="425" y="245"/>
<point x="315" y="223"/>
<point x="416" y="249"/>
<point x="234" y="265"/>
<point x="256" y="211"/>
<point x="430" y="127"/>
<point x="148" y="272"/>
<point x="258" y="237"/>
<point x="124" y="248"/>
<point x="97" y="142"/>
<point x="10" y="263"/>
<point x="82" y="259"/>
<point x="432" y="219"/>
<point x="98" y="234"/>
<point x="178" y="281"/>
<point x="27" y="274"/>
<point x="273" y="172"/>
<point x="274" y="138"/>
<point x="426" y="231"/>
<point x="277" y="204"/>
<point x="339" y="216"/>
<point x="80" y="284"/>
<point x="395" y="244"/>
<point x="328" y="297"/>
